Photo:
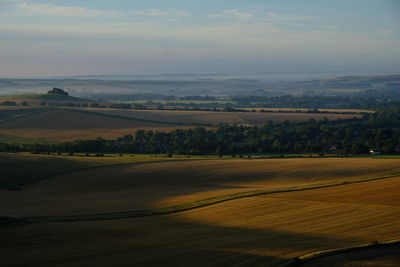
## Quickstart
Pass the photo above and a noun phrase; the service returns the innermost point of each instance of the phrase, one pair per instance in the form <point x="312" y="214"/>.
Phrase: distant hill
<point x="55" y="96"/>
<point x="377" y="82"/>
<point x="221" y="86"/>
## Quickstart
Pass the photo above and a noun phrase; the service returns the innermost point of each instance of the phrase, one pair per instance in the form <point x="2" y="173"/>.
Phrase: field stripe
<point x="26" y="112"/>
<point x="11" y="221"/>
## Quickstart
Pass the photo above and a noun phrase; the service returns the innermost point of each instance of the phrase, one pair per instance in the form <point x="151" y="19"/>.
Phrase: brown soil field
<point x="161" y="184"/>
<point x="379" y="257"/>
<point x="206" y="117"/>
<point x="64" y="125"/>
<point x="7" y="113"/>
<point x="257" y="231"/>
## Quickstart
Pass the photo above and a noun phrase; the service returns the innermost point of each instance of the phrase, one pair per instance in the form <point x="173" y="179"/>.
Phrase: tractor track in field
<point x="304" y="259"/>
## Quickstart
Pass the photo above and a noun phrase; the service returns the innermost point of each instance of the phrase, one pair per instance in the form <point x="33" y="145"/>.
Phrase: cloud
<point x="141" y="47"/>
<point x="262" y="37"/>
<point x="270" y="17"/>
<point x="76" y="11"/>
<point x="274" y="17"/>
<point x="232" y="14"/>
<point x="386" y="31"/>
<point x="328" y="27"/>
<point x="299" y="25"/>
<point x="65" y="11"/>
<point x="161" y="13"/>
<point x="311" y="26"/>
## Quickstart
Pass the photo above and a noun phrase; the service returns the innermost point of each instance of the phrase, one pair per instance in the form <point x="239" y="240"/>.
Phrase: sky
<point x="60" y="38"/>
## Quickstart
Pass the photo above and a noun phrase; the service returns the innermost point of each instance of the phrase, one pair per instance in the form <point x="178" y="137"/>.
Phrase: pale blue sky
<point x="53" y="38"/>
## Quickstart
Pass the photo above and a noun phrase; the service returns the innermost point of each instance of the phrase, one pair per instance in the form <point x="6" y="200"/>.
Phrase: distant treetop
<point x="57" y="91"/>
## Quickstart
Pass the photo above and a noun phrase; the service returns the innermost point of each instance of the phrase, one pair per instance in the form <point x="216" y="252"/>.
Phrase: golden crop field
<point x="205" y="117"/>
<point x="160" y="184"/>
<point x="262" y="230"/>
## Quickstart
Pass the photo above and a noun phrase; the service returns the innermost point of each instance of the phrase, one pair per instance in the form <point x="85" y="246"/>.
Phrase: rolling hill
<point x="47" y="99"/>
<point x="259" y="230"/>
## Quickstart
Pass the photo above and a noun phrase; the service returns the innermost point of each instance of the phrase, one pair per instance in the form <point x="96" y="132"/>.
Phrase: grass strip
<point x="185" y="206"/>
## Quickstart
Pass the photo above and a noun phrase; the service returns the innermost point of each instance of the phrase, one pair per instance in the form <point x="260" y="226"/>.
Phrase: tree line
<point x="380" y="131"/>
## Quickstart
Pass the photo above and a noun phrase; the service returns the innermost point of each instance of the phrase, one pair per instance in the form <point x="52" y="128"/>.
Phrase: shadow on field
<point x="165" y="240"/>
<point x="16" y="171"/>
<point x="161" y="184"/>
<point x="152" y="241"/>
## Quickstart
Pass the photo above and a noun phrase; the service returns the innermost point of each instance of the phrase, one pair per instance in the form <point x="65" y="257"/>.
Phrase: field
<point x="259" y="230"/>
<point x="66" y="124"/>
<point x="206" y="117"/>
<point x="23" y="169"/>
<point x="333" y="110"/>
<point x="172" y="183"/>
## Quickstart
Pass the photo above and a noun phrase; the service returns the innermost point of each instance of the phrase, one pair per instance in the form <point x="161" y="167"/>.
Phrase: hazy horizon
<point x="69" y="38"/>
<point x="262" y="77"/>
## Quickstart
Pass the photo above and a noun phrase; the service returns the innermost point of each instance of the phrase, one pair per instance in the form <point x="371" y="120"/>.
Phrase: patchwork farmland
<point x="67" y="124"/>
